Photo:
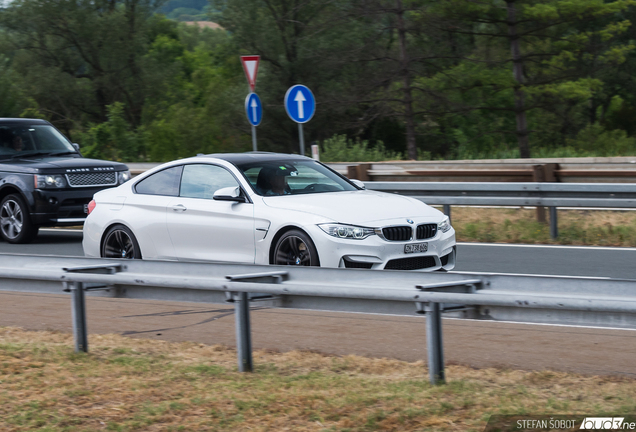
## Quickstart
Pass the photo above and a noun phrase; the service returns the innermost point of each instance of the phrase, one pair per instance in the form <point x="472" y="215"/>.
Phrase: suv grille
<point x="413" y="263"/>
<point x="426" y="231"/>
<point x="398" y="233"/>
<point x="92" y="179"/>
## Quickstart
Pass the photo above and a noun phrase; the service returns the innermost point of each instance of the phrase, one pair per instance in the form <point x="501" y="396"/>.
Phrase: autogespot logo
<point x="603" y="423"/>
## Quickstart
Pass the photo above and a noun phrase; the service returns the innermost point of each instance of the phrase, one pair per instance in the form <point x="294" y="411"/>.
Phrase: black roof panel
<point x="248" y="157"/>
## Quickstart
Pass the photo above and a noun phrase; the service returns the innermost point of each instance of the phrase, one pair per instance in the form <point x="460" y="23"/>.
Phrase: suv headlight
<point x="444" y="225"/>
<point x="347" y="231"/>
<point x="49" y="181"/>
<point x="123" y="177"/>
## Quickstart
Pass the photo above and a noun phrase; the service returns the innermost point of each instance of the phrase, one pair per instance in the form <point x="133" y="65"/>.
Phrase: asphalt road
<point x="480" y="344"/>
<point x="472" y="257"/>
<point x="475" y="343"/>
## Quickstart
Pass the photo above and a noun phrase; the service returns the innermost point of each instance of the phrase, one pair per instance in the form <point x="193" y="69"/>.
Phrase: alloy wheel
<point x="11" y="219"/>
<point x="119" y="245"/>
<point x="292" y="251"/>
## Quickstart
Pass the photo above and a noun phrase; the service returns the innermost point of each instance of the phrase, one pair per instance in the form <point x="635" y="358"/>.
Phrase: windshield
<point x="269" y="178"/>
<point x="23" y="140"/>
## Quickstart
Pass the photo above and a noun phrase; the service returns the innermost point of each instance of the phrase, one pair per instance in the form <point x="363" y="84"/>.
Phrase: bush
<point x="113" y="140"/>
<point x="340" y="149"/>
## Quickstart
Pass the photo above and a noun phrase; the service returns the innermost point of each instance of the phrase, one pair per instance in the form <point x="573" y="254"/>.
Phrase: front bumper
<point x="61" y="207"/>
<point x="378" y="254"/>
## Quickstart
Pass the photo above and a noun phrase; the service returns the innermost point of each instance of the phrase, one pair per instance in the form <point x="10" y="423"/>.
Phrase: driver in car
<point x="272" y="180"/>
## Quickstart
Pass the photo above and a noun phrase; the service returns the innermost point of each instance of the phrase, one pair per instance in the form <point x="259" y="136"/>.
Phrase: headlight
<point x="444" y="225"/>
<point x="347" y="231"/>
<point x="123" y="177"/>
<point x="49" y="181"/>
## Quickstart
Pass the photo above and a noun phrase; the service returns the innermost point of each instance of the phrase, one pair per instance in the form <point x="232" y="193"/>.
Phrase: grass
<point x="519" y="225"/>
<point x="127" y="384"/>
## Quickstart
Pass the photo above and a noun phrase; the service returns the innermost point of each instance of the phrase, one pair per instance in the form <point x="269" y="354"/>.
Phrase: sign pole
<point x="300" y="105"/>
<point x="253" y="106"/>
<point x="301" y="136"/>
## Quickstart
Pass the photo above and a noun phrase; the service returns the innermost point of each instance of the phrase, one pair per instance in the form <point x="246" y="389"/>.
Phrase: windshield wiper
<point x="21" y="155"/>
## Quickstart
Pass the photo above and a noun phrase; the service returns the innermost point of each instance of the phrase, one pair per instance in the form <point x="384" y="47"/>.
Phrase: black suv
<point x="44" y="180"/>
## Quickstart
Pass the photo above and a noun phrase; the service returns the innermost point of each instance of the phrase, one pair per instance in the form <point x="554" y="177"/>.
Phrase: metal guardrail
<point x="564" y="170"/>
<point x="551" y="195"/>
<point x="515" y="194"/>
<point x="562" y="300"/>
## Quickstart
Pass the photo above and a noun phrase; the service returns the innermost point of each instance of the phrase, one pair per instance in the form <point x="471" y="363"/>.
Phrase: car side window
<point x="165" y="182"/>
<point x="202" y="180"/>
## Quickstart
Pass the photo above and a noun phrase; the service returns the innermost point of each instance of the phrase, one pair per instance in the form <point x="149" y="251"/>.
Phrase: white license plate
<point x="415" y="248"/>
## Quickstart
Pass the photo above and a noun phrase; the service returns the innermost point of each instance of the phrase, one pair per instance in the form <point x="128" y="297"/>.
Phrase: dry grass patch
<point x="519" y="225"/>
<point x="128" y="384"/>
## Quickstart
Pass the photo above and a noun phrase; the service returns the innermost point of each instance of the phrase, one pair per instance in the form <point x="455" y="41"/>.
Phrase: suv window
<point x="165" y="182"/>
<point x="201" y="181"/>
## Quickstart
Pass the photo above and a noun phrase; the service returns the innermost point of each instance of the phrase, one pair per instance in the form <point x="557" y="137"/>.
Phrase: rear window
<point x="164" y="182"/>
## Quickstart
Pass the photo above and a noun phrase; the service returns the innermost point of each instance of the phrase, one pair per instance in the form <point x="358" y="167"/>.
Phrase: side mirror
<point x="76" y="147"/>
<point x="229" y="194"/>
<point x="358" y="183"/>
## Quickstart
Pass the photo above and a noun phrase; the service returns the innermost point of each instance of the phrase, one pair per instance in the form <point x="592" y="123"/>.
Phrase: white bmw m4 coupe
<point x="265" y="208"/>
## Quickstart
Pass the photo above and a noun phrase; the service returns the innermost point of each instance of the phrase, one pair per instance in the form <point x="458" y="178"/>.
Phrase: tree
<point x="78" y="57"/>
<point x="554" y="48"/>
<point x="310" y="42"/>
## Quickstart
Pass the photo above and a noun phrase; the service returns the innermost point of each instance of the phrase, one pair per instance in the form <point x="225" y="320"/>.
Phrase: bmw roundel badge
<point x="409" y="221"/>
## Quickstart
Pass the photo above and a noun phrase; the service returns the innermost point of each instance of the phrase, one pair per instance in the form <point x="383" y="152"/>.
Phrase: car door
<point x="146" y="212"/>
<point x="202" y="228"/>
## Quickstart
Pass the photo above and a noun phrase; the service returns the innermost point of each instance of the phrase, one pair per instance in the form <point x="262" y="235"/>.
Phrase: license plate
<point x="415" y="248"/>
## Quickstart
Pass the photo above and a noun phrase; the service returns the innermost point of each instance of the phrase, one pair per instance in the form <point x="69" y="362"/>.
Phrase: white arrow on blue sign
<point x="300" y="103"/>
<point x="253" y="109"/>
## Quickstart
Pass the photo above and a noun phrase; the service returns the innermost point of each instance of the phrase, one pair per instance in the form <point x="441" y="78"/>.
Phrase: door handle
<point x="179" y="208"/>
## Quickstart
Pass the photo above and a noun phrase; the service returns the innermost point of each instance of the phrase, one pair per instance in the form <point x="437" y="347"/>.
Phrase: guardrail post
<point x="243" y="333"/>
<point x="554" y="229"/>
<point x="447" y="212"/>
<point x="434" y="344"/>
<point x="80" y="331"/>
<point x="538" y="175"/>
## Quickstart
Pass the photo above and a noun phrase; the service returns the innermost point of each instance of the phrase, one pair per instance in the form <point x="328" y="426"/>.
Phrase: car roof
<point x="249" y="157"/>
<point x="22" y="121"/>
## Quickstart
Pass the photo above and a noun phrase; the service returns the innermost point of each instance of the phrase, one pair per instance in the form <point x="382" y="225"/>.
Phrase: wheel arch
<point x="12" y="189"/>
<point x="280" y="233"/>
<point x="103" y="236"/>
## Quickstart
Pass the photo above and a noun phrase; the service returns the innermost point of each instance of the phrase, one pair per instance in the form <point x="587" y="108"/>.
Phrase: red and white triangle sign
<point x="250" y="66"/>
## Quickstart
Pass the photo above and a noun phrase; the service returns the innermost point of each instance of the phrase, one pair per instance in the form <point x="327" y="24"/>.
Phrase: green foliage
<point x="11" y="100"/>
<point x="595" y="140"/>
<point x="113" y="139"/>
<point x="130" y="84"/>
<point x="340" y="149"/>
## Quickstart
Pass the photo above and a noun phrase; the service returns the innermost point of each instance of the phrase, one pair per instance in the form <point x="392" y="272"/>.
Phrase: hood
<point x="59" y="164"/>
<point x="363" y="207"/>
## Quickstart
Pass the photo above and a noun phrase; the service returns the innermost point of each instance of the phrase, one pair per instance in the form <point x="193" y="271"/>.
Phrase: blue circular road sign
<point x="300" y="103"/>
<point x="253" y="109"/>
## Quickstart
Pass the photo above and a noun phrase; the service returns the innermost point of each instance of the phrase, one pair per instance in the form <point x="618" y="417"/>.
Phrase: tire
<point x="15" y="221"/>
<point x="119" y="242"/>
<point x="295" y="248"/>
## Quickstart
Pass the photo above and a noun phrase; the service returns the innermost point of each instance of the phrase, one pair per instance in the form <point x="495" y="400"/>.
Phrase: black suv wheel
<point x="15" y="223"/>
